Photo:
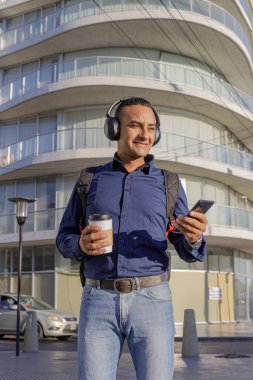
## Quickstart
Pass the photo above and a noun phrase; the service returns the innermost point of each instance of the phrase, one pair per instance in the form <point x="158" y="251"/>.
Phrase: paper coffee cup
<point x="105" y="222"/>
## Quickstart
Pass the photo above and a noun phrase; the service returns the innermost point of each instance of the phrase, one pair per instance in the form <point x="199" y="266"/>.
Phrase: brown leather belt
<point x="128" y="284"/>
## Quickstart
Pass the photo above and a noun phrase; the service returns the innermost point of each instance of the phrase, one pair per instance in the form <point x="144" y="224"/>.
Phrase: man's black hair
<point x="132" y="102"/>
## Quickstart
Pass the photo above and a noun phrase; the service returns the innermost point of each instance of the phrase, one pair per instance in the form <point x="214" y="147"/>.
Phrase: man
<point x="132" y="191"/>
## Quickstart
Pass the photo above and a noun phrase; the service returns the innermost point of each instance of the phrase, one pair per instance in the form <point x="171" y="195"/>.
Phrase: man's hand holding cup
<point x="97" y="237"/>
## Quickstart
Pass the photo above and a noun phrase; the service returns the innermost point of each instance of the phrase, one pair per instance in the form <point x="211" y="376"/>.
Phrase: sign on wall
<point x="215" y="293"/>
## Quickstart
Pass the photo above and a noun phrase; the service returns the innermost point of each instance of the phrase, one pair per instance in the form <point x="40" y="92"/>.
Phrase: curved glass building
<point x="62" y="64"/>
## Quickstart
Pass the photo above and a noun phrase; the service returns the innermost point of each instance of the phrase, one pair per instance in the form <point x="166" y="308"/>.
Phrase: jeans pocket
<point x="160" y="292"/>
<point x="88" y="292"/>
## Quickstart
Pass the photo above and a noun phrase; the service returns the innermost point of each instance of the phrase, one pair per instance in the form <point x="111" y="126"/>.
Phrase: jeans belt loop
<point x="137" y="283"/>
<point x="98" y="284"/>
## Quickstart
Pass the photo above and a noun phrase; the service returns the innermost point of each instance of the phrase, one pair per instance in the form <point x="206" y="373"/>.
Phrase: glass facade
<point x="243" y="266"/>
<point x="52" y="193"/>
<point x="37" y="22"/>
<point x="38" y="271"/>
<point x="41" y="263"/>
<point x="24" y="79"/>
<point x="230" y="262"/>
<point x="182" y="133"/>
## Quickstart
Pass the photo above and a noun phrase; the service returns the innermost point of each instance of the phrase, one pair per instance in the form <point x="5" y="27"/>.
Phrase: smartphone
<point x="202" y="205"/>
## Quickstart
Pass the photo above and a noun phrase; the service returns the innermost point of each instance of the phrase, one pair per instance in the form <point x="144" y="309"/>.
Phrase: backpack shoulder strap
<point x="171" y="189"/>
<point x="83" y="187"/>
<point x="85" y="176"/>
<point x="84" y="182"/>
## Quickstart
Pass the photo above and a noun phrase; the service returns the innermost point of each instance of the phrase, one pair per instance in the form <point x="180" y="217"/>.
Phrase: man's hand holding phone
<point x="194" y="224"/>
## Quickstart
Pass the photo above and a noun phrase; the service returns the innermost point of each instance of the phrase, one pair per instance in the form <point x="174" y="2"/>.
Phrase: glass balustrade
<point x="46" y="220"/>
<point x="43" y="220"/>
<point x="85" y="9"/>
<point x="83" y="138"/>
<point x="245" y="5"/>
<point x="233" y="217"/>
<point x="128" y="67"/>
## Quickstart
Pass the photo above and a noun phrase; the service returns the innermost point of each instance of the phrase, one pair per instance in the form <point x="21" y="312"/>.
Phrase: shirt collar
<point x="117" y="163"/>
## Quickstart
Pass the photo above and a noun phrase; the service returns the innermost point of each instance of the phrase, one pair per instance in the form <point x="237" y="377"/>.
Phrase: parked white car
<point x="51" y="322"/>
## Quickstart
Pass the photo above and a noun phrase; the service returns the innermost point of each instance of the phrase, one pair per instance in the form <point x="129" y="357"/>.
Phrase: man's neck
<point x="131" y="165"/>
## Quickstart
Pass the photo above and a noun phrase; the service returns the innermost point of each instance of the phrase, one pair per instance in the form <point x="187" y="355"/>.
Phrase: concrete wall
<point x="188" y="292"/>
<point x="69" y="292"/>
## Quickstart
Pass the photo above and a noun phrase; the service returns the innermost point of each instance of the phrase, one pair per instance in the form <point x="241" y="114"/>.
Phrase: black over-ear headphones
<point x="112" y="124"/>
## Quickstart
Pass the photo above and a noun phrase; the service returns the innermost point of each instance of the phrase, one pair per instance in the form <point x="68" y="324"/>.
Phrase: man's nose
<point x="144" y="133"/>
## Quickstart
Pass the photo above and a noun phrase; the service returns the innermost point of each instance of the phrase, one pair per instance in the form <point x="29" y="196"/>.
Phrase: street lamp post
<point x="21" y="215"/>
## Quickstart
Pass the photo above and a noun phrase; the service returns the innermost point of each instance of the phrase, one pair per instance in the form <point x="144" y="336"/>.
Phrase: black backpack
<point x="171" y="188"/>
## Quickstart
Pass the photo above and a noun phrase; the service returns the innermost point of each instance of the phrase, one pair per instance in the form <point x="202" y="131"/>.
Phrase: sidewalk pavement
<point x="48" y="365"/>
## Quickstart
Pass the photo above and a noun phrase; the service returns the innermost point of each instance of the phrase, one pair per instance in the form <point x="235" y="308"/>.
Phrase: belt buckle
<point x="118" y="280"/>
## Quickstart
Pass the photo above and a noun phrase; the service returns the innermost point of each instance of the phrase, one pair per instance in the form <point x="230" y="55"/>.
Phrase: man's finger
<point x="92" y="246"/>
<point x="199" y="216"/>
<point x="96" y="252"/>
<point x="90" y="228"/>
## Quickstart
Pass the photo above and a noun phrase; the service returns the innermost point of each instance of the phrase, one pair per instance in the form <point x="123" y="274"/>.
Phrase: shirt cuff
<point x="195" y="245"/>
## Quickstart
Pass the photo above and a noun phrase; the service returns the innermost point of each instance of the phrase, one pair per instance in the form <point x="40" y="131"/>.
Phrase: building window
<point x="44" y="258"/>
<point x="27" y="258"/>
<point x="243" y="285"/>
<point x="220" y="260"/>
<point x="5" y="260"/>
<point x="178" y="263"/>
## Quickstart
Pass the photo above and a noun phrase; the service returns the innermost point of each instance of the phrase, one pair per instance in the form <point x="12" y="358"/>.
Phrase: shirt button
<point x="126" y="188"/>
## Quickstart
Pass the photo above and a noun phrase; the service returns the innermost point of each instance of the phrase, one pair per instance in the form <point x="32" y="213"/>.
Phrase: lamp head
<point x="21" y="208"/>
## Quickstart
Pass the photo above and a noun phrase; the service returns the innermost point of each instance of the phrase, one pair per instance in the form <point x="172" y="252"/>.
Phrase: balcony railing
<point x="85" y="9"/>
<point x="127" y="67"/>
<point x="84" y="138"/>
<point x="232" y="217"/>
<point x="246" y="7"/>
<point x="46" y="220"/>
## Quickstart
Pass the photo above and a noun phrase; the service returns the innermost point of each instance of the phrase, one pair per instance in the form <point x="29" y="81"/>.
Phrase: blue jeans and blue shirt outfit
<point x="137" y="203"/>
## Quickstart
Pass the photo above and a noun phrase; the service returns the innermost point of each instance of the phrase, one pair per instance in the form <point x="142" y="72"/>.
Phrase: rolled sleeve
<point x="67" y="239"/>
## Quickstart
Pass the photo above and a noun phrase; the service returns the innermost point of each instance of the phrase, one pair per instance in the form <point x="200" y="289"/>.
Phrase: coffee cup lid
<point x="103" y="216"/>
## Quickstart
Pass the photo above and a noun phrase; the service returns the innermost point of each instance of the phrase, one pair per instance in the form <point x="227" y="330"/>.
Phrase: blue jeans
<point x="144" y="317"/>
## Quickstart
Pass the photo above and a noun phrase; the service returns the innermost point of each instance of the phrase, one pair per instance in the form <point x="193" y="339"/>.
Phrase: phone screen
<point x="202" y="205"/>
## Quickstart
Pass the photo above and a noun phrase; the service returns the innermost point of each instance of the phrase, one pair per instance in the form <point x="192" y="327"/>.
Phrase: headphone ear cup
<point x="111" y="128"/>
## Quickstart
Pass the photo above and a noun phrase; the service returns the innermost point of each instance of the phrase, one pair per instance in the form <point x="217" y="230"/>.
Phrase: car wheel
<point x="40" y="331"/>
<point x="64" y="338"/>
<point x="1" y="336"/>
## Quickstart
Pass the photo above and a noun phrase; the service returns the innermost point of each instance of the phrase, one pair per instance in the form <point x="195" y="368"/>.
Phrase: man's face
<point x="137" y="131"/>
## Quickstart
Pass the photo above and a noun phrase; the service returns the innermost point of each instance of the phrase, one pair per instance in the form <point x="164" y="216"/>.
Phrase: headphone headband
<point x="108" y="113"/>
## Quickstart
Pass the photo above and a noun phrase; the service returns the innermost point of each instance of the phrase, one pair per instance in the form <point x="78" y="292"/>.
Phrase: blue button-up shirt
<point x="137" y="203"/>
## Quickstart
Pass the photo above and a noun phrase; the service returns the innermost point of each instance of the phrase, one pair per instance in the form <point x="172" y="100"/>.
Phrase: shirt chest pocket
<point x="139" y="201"/>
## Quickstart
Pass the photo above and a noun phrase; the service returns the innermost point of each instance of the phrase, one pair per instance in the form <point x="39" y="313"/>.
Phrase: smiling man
<point x="127" y="294"/>
<point x="138" y="134"/>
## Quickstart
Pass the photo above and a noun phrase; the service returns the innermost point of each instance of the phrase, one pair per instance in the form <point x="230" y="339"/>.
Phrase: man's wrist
<point x="195" y="244"/>
<point x="80" y="246"/>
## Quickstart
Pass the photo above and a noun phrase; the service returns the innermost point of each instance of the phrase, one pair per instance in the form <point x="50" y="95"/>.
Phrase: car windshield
<point x="33" y="303"/>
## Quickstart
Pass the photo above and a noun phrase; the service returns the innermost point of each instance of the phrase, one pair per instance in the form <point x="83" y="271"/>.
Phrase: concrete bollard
<point x="190" y="340"/>
<point x="31" y="340"/>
